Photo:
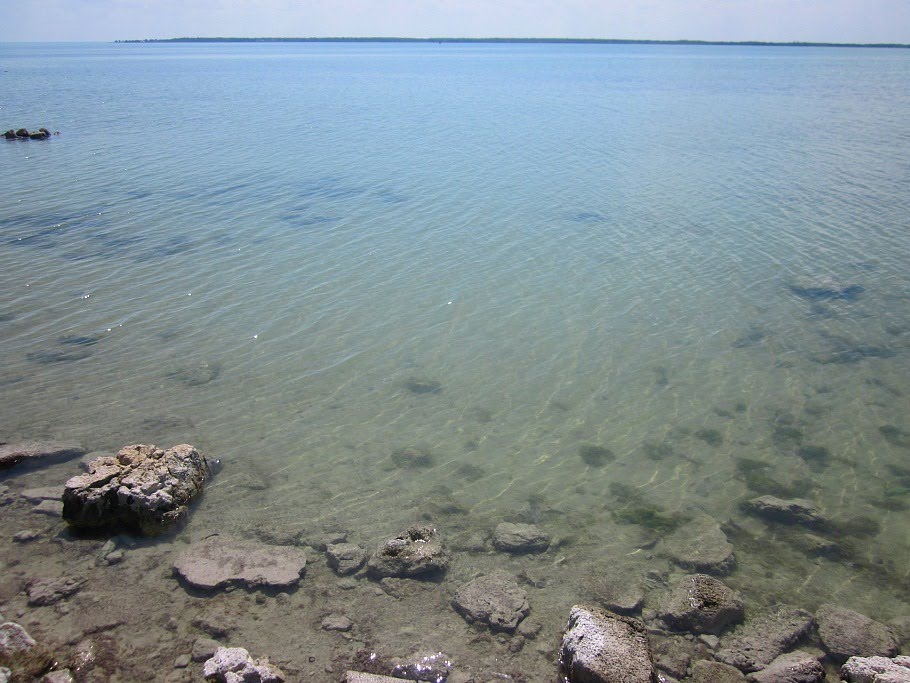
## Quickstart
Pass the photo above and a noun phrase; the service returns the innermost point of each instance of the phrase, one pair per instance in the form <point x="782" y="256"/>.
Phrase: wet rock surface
<point x="345" y="558"/>
<point x="21" y="654"/>
<point x="759" y="641"/>
<point x="417" y="552"/>
<point x="601" y="647"/>
<point x="142" y="488"/>
<point x="494" y="600"/>
<point x="792" y="511"/>
<point x="876" y="670"/>
<point x="520" y="538"/>
<point x="793" y="667"/>
<point x="845" y="633"/>
<point x="700" y="604"/>
<point x="223" y="560"/>
<point x="35" y="453"/>
<point x="699" y="546"/>
<point x="234" y="665"/>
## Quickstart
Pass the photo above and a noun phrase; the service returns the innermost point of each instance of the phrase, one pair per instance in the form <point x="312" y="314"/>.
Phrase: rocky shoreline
<point x="689" y="626"/>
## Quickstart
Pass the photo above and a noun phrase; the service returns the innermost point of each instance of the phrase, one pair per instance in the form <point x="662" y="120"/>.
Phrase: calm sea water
<point x="265" y="249"/>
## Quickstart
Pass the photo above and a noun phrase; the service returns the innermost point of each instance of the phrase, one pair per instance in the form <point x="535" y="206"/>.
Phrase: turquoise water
<point x="572" y="245"/>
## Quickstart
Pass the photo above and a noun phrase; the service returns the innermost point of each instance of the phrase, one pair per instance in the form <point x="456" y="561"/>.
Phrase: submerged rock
<point x="520" y="538"/>
<point x="845" y="633"/>
<point x="21" y="655"/>
<point x="705" y="671"/>
<point x="495" y="600"/>
<point x="221" y="561"/>
<point x="699" y="546"/>
<point x="700" y="604"/>
<point x="234" y="665"/>
<point x="824" y="288"/>
<point x="345" y="558"/>
<point x="792" y="511"/>
<point x="42" y="592"/>
<point x="415" y="552"/>
<point x="793" y="667"/>
<point x="876" y="670"/>
<point x="600" y="647"/>
<point x="759" y="641"/>
<point x="143" y="487"/>
<point x="37" y="453"/>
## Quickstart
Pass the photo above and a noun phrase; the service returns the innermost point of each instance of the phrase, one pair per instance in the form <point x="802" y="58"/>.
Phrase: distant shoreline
<point x="570" y="41"/>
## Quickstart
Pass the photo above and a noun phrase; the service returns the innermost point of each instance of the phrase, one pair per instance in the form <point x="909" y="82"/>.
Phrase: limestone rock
<point x="415" y="552"/>
<point x="61" y="676"/>
<point x="876" y="670"/>
<point x="37" y="453"/>
<point x="616" y="589"/>
<point x="600" y="647"/>
<point x="793" y="667"/>
<point x="495" y="600"/>
<point x="699" y="546"/>
<point x="337" y="622"/>
<point x="142" y="487"/>
<point x="20" y="654"/>
<point x="345" y="558"/>
<point x="793" y="511"/>
<point x="520" y="538"/>
<point x="700" y="604"/>
<point x="204" y="648"/>
<point x="845" y="633"/>
<point x="222" y="560"/>
<point x="234" y="665"/>
<point x="704" y="671"/>
<point x="759" y="641"/>
<point x="429" y="666"/>
<point x="43" y="592"/>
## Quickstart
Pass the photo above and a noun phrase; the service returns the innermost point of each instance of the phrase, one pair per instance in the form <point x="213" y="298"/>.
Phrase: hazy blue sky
<point x="776" y="20"/>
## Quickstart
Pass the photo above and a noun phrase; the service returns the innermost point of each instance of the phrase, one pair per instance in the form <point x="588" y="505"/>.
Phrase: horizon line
<point x="607" y="41"/>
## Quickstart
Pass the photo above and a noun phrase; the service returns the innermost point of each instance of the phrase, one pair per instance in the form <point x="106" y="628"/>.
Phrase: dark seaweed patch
<point x="756" y="477"/>
<point x="827" y="292"/>
<point x="422" y="385"/>
<point x="470" y="472"/>
<point x="657" y="451"/>
<point x="661" y="376"/>
<point x="752" y="337"/>
<point x="595" y="456"/>
<point x="412" y="456"/>
<point x="638" y="511"/>
<point x="196" y="375"/>
<point x="712" y="437"/>
<point x="895" y="436"/>
<point x="818" y="456"/>
<point x="881" y="384"/>
<point x="50" y="357"/>
<point x="787" y="436"/>
<point x="587" y="217"/>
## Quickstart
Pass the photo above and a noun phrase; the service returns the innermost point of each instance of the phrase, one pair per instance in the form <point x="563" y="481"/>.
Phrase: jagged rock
<point x="876" y="670"/>
<point x="21" y="654"/>
<point x="699" y="546"/>
<point x="495" y="600"/>
<point x="416" y="552"/>
<point x="793" y="667"/>
<point x="700" y="604"/>
<point x="345" y="558"/>
<point x="601" y="647"/>
<point x="35" y="453"/>
<point x="793" y="511"/>
<point x="704" y="671"/>
<point x="234" y="665"/>
<point x="43" y="592"/>
<point x="143" y="487"/>
<point x="520" y="538"/>
<point x="759" y="641"/>
<point x="222" y="560"/>
<point x="433" y="666"/>
<point x="845" y="633"/>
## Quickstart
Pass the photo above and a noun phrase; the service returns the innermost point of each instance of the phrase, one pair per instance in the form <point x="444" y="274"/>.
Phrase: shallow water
<point x="303" y="258"/>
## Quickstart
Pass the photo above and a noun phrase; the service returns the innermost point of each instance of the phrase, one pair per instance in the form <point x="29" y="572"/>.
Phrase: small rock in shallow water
<point x="700" y="604"/>
<point x="699" y="545"/>
<point x="876" y="670"/>
<point x="416" y="552"/>
<point x="793" y="667"/>
<point x="36" y="495"/>
<point x="793" y="511"/>
<point x="345" y="558"/>
<point x="42" y="592"/>
<point x="220" y="561"/>
<point x="234" y="664"/>
<point x="37" y="453"/>
<point x="204" y="648"/>
<point x="494" y="600"/>
<point x="336" y="622"/>
<point x="845" y="633"/>
<point x="704" y="671"/>
<point x="761" y="640"/>
<point x="27" y="535"/>
<point x="520" y="538"/>
<point x="51" y="508"/>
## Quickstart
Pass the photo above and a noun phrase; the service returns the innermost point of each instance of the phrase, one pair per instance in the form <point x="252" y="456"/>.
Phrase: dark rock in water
<point x="845" y="633"/>
<point x="824" y="289"/>
<point x="700" y="604"/>
<point x="600" y="647"/>
<point x="42" y="592"/>
<point x="412" y="456"/>
<point x="37" y="453"/>
<point x="494" y="600"/>
<point x="417" y="552"/>
<point x="10" y="135"/>
<point x="345" y="558"/>
<point x="793" y="511"/>
<point x="595" y="456"/>
<point x="143" y="487"/>
<point x="422" y="385"/>
<point x="38" y="135"/>
<point x="221" y="561"/>
<point x="616" y="589"/>
<point x="793" y="667"/>
<point x="876" y="670"/>
<point x="818" y="456"/>
<point x="700" y="546"/>
<point x="196" y="375"/>
<point x="520" y="538"/>
<point x="760" y="641"/>
<point x="22" y="133"/>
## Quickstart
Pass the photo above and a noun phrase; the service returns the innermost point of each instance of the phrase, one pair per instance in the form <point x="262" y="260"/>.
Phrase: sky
<point x="854" y="21"/>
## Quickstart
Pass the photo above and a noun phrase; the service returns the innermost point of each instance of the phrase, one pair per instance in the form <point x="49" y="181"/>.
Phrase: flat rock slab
<point x="345" y="558"/>
<point x="793" y="667"/>
<point x="760" y="641"/>
<point x="699" y="603"/>
<point x="43" y="592"/>
<point x="601" y="647"/>
<point x="495" y="600"/>
<point x="143" y="487"/>
<point x="699" y="546"/>
<point x="413" y="553"/>
<point x="519" y="538"/>
<point x="792" y="511"/>
<point x="222" y="560"/>
<point x="36" y="495"/>
<point x="616" y="589"/>
<point x="361" y="677"/>
<point x="51" y="508"/>
<point x="33" y="453"/>
<point x="845" y="633"/>
<point x="876" y="670"/>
